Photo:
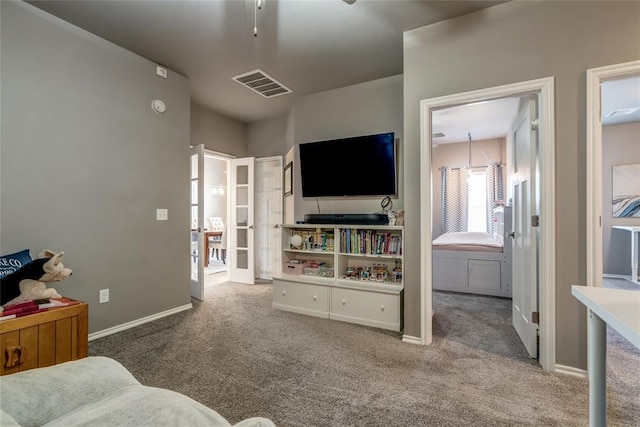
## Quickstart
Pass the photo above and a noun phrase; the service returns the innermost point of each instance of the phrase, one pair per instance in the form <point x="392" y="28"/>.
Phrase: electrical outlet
<point x="161" y="72"/>
<point x="104" y="296"/>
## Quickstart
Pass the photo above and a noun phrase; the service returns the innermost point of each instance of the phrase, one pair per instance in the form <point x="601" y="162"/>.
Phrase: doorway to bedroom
<point x="495" y="184"/>
<point x="471" y="222"/>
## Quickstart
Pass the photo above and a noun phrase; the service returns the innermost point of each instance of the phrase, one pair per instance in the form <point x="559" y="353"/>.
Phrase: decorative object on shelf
<point x="397" y="275"/>
<point x="288" y="179"/>
<point x="386" y="204"/>
<point x="372" y="273"/>
<point x="392" y="218"/>
<point x="296" y="241"/>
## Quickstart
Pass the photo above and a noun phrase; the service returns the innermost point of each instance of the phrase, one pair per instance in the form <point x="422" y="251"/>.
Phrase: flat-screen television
<point x="358" y="166"/>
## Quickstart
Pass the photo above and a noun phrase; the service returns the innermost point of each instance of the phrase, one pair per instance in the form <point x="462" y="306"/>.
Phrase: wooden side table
<point x="44" y="339"/>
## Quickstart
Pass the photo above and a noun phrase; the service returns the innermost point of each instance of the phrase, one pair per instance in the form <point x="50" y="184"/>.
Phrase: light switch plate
<point x="104" y="296"/>
<point x="162" y="214"/>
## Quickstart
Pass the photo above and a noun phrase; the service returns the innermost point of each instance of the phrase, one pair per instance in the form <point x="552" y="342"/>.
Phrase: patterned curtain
<point x="455" y="200"/>
<point x="494" y="192"/>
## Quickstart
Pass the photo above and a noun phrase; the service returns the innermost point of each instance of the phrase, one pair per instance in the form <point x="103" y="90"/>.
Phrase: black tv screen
<point x="358" y="166"/>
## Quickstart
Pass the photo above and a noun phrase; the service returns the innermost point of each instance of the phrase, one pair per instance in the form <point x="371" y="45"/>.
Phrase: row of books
<point x="33" y="306"/>
<point x="371" y="242"/>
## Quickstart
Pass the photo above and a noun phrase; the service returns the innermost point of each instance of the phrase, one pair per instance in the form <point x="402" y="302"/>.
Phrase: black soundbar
<point x="357" y="219"/>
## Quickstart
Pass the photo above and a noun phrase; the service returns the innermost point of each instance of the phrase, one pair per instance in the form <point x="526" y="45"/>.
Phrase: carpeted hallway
<point x="237" y="355"/>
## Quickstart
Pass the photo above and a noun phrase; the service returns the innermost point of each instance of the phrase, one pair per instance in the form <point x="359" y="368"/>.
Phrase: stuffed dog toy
<point x="29" y="282"/>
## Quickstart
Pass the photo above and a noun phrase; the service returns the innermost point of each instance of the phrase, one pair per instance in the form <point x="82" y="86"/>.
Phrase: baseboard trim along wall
<point x="411" y="340"/>
<point x="570" y="370"/>
<point x="134" y="323"/>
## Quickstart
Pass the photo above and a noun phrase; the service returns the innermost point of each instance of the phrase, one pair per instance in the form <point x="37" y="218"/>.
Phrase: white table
<point x="635" y="231"/>
<point x="620" y="309"/>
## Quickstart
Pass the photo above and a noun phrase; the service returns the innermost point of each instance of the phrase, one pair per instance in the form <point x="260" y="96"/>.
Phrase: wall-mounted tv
<point x="358" y="166"/>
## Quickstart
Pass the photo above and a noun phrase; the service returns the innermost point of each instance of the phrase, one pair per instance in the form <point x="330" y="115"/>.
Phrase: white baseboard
<point x="134" y="323"/>
<point x="570" y="370"/>
<point x="411" y="340"/>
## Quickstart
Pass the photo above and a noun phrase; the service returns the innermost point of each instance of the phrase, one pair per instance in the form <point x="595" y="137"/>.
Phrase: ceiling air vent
<point x="262" y="83"/>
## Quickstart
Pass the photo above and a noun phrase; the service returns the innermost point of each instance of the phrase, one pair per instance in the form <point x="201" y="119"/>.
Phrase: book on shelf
<point x="370" y="242"/>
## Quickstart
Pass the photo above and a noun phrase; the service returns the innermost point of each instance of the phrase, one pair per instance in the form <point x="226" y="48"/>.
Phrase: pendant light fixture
<point x="257" y="5"/>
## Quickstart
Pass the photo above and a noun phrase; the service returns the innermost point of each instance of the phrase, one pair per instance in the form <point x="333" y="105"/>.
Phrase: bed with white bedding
<point x="471" y="262"/>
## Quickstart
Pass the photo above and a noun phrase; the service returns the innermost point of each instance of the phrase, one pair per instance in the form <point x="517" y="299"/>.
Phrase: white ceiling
<point x="308" y="45"/>
<point x="621" y="94"/>
<point x="483" y="120"/>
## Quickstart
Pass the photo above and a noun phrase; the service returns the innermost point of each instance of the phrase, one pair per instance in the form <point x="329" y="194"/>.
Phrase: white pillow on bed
<point x="468" y="238"/>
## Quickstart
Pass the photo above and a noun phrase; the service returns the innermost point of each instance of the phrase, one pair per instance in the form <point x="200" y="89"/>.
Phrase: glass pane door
<point x="242" y="232"/>
<point x="197" y="254"/>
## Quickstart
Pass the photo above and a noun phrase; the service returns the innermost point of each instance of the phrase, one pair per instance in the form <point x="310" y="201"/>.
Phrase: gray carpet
<point x="237" y="355"/>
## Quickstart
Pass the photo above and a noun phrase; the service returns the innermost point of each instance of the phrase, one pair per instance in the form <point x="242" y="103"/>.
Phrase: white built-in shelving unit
<point x="353" y="273"/>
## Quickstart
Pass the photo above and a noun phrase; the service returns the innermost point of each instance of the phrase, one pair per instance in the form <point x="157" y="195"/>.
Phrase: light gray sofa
<point x="99" y="391"/>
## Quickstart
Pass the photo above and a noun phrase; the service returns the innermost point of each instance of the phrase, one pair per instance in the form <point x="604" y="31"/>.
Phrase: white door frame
<point x="595" y="77"/>
<point x="545" y="87"/>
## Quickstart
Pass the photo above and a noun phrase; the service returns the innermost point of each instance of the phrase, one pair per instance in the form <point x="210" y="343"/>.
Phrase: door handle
<point x="250" y="227"/>
<point x="512" y="235"/>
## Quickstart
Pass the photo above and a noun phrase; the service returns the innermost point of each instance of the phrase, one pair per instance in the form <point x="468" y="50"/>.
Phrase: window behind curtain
<point x="477" y="201"/>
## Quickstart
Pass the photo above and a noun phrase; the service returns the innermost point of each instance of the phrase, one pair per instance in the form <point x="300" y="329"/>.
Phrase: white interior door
<point x="241" y="226"/>
<point x="268" y="216"/>
<point x="197" y="222"/>
<point x="525" y="190"/>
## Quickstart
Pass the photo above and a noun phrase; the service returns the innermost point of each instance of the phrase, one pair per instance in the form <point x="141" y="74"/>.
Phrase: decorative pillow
<point x="12" y="262"/>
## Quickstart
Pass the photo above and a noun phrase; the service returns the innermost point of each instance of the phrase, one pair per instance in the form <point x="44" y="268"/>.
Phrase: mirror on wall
<point x="626" y="191"/>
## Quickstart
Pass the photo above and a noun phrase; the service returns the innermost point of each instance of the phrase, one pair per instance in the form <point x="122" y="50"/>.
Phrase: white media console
<point x="351" y="273"/>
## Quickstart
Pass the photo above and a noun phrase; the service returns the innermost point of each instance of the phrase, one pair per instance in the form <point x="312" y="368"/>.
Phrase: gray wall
<point x="362" y="109"/>
<point x="620" y="146"/>
<point x="513" y="42"/>
<point x="268" y="137"/>
<point x="217" y="132"/>
<point x="457" y="155"/>
<point x="85" y="163"/>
